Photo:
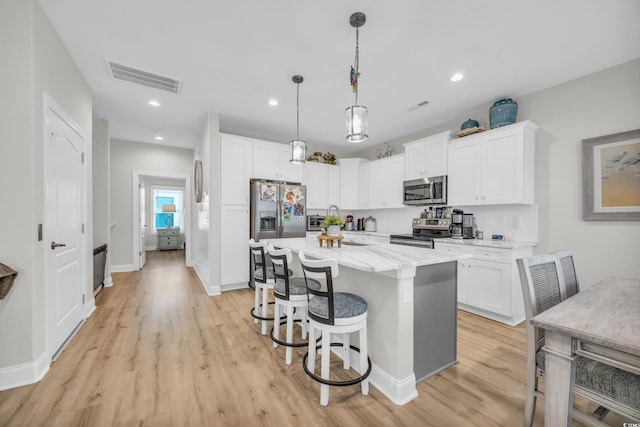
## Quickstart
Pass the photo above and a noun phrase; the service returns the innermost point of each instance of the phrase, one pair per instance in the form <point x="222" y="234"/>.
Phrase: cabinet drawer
<point x="491" y="254"/>
<point x="452" y="247"/>
<point x="168" y="232"/>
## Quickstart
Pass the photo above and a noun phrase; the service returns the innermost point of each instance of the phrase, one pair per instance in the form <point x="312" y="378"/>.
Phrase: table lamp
<point x="170" y="210"/>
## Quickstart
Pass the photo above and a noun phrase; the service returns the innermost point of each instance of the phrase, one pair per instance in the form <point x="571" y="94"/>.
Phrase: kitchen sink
<point x="349" y="243"/>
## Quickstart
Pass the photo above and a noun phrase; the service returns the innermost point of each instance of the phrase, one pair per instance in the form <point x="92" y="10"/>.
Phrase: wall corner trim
<point x="24" y="374"/>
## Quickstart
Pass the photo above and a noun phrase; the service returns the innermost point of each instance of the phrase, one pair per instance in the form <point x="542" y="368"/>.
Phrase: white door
<point x="142" y="215"/>
<point x="63" y="229"/>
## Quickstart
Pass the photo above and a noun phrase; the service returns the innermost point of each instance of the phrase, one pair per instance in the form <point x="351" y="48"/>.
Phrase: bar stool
<point x="264" y="280"/>
<point x="290" y="294"/>
<point x="333" y="313"/>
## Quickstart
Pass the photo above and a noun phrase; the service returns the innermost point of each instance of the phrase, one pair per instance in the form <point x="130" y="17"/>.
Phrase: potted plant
<point x="333" y="224"/>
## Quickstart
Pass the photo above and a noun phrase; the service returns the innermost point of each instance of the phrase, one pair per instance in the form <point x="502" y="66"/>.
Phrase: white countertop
<point x="507" y="244"/>
<point x="375" y="258"/>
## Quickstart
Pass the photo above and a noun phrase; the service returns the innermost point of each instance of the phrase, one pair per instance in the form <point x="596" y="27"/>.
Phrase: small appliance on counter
<point x="314" y="222"/>
<point x="468" y="226"/>
<point x="456" y="228"/>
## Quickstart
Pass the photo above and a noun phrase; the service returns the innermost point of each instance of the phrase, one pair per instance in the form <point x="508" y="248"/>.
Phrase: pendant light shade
<point x="356" y="116"/>
<point x="298" y="147"/>
<point x="356" y="124"/>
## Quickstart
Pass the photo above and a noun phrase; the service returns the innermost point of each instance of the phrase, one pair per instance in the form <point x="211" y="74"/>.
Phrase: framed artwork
<point x="611" y="177"/>
<point x="197" y="181"/>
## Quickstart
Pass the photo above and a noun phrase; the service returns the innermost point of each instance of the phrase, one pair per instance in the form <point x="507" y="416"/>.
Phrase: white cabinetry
<point x="363" y="185"/>
<point x="426" y="157"/>
<point x="234" y="238"/>
<point x="349" y="182"/>
<point x="494" y="167"/>
<point x="488" y="283"/>
<point x="236" y="155"/>
<point x="271" y="161"/>
<point x="315" y="177"/>
<point x="235" y="169"/>
<point x="333" y="185"/>
<point x="385" y="182"/>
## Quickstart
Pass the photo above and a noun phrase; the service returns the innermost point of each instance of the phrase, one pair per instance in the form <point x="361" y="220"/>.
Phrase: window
<point x="167" y="196"/>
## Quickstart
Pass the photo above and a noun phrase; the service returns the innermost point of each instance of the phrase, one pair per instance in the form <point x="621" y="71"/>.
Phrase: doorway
<point x="143" y="223"/>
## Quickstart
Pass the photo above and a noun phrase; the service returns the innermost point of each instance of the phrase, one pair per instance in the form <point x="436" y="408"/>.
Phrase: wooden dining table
<point x="601" y="323"/>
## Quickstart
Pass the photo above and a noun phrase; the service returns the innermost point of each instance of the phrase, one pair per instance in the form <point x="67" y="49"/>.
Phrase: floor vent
<point x="144" y="78"/>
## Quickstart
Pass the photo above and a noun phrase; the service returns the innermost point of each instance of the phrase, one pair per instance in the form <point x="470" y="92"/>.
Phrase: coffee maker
<point x="468" y="226"/>
<point x="456" y="229"/>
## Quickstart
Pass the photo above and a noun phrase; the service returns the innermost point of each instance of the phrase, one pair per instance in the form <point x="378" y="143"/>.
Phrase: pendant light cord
<point x="356" y="62"/>
<point x="298" y="112"/>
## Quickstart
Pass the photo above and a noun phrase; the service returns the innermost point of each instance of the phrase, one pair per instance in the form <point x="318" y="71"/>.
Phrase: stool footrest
<point x="255" y="316"/>
<point x="336" y="383"/>
<point x="288" y="344"/>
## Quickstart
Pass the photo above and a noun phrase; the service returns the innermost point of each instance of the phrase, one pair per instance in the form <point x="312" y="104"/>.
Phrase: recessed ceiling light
<point x="273" y="102"/>
<point x="154" y="103"/>
<point x="457" y="77"/>
<point x="159" y="138"/>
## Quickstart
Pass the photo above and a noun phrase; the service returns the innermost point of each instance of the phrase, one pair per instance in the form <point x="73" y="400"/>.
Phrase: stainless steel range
<point x="425" y="230"/>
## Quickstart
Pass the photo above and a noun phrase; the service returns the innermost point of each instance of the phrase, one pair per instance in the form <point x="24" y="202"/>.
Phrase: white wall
<point x="127" y="156"/>
<point x="151" y="238"/>
<point x="603" y="103"/>
<point x="100" y="190"/>
<point x="34" y="62"/>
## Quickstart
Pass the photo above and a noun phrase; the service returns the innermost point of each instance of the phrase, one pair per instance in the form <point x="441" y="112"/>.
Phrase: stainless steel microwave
<point x="425" y="191"/>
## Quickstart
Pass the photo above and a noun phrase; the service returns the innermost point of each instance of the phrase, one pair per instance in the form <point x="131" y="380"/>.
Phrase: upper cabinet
<point x="350" y="196"/>
<point x="385" y="182"/>
<point x="235" y="169"/>
<point x="427" y="157"/>
<point x="494" y="167"/>
<point x="271" y="161"/>
<point x="315" y="177"/>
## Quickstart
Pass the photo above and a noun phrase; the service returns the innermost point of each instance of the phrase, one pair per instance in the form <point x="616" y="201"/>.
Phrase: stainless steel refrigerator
<point x="278" y="210"/>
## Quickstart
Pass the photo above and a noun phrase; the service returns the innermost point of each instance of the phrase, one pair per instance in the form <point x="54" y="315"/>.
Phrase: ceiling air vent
<point x="418" y="105"/>
<point x="144" y="78"/>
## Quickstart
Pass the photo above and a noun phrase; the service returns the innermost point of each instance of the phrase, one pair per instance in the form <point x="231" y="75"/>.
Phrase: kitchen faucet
<point x="336" y="208"/>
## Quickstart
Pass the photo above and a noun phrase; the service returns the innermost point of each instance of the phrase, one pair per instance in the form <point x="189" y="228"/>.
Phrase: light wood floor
<point x="158" y="351"/>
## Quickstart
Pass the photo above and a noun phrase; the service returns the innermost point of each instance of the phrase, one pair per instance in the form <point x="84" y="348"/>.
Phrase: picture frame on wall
<point x="611" y="177"/>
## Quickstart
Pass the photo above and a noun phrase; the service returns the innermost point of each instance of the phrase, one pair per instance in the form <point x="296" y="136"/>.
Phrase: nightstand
<point x="168" y="238"/>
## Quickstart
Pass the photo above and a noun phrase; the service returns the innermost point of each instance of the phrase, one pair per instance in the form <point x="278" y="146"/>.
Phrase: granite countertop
<point x="375" y="258"/>
<point x="507" y="244"/>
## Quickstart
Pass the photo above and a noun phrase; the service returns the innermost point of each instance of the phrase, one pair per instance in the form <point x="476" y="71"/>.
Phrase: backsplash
<point x="515" y="222"/>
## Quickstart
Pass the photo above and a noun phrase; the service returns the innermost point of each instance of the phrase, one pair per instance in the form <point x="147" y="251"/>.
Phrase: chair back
<point x="259" y="251"/>
<point x="280" y="258"/>
<point x="543" y="287"/>
<point x="324" y="271"/>
<point x="569" y="271"/>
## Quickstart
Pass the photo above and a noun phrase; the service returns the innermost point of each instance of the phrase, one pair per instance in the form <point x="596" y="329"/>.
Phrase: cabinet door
<point x="235" y="169"/>
<point x="286" y="170"/>
<point x="394" y="177"/>
<point x="349" y="179"/>
<point x="363" y="186"/>
<point x="265" y="160"/>
<point x="377" y="185"/>
<point x="414" y="158"/>
<point x="234" y="240"/>
<point x="489" y="286"/>
<point x="464" y="173"/>
<point x="502" y="161"/>
<point x="315" y="178"/>
<point x="435" y="152"/>
<point x="333" y="186"/>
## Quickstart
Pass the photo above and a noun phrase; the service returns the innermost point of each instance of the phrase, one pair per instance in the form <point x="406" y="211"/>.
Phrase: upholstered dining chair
<point x="569" y="271"/>
<point x="543" y="286"/>
<point x="333" y="313"/>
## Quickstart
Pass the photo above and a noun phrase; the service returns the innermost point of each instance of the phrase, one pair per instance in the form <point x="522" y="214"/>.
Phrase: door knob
<point x="56" y="245"/>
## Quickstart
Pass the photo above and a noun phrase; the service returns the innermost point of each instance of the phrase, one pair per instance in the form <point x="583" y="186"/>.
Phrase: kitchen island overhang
<point x="402" y="285"/>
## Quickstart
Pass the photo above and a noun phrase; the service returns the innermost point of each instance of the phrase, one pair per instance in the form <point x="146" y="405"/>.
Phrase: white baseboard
<point x="234" y="286"/>
<point x="108" y="282"/>
<point x="511" y="321"/>
<point x="211" y="292"/>
<point x="24" y="374"/>
<point x="123" y="268"/>
<point x="399" y="392"/>
<point x="151" y="248"/>
<point x="89" y="307"/>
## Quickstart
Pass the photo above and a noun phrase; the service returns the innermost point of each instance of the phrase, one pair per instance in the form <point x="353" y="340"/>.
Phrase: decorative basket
<point x="7" y="277"/>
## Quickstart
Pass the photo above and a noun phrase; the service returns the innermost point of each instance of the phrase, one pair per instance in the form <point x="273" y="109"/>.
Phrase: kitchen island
<point x="412" y="297"/>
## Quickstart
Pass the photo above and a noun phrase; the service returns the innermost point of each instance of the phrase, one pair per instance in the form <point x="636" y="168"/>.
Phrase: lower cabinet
<point x="489" y="283"/>
<point x="168" y="238"/>
<point x="234" y="251"/>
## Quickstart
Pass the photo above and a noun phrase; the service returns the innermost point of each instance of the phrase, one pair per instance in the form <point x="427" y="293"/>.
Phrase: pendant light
<point x="298" y="146"/>
<point x="356" y="115"/>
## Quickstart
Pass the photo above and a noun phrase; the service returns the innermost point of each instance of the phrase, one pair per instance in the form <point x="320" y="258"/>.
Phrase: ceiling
<point x="233" y="56"/>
